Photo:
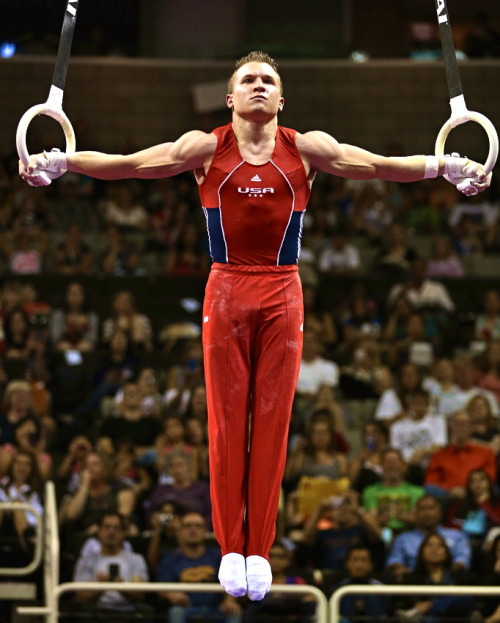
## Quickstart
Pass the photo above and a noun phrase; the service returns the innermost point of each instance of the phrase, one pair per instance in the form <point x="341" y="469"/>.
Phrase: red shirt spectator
<point x="450" y="466"/>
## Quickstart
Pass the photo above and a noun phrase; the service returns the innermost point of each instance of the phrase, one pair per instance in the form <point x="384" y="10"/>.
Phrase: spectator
<point x="418" y="435"/>
<point x="444" y="262"/>
<point x="339" y="257"/>
<point x="317" y="320"/>
<point x="69" y="205"/>
<point x="183" y="375"/>
<point x="449" y="467"/>
<point x="391" y="502"/>
<point x="20" y="484"/>
<point x="188" y="256"/>
<point x="73" y="256"/>
<point x="197" y="438"/>
<point x="417" y="343"/>
<point x="396" y="255"/>
<point x="482" y="214"/>
<point x="165" y="523"/>
<point x="322" y="453"/>
<point x="194" y="561"/>
<point x="126" y="317"/>
<point x="149" y="388"/>
<point x="123" y="210"/>
<point x="422" y="292"/>
<point x="25" y="254"/>
<point x="118" y="366"/>
<point x="443" y="390"/>
<point x="130" y="424"/>
<point x="402" y="556"/>
<point x="73" y="463"/>
<point x="388" y="408"/>
<point x="358" y="608"/>
<point x="18" y="404"/>
<point x="120" y="257"/>
<point x="466" y="239"/>
<point x="359" y="377"/>
<point x="193" y="495"/>
<point x="112" y="562"/>
<point x="485" y="428"/>
<point x="80" y="512"/>
<point x="489" y="369"/>
<point x="434" y="567"/>
<point x="326" y="400"/>
<point x="359" y="321"/>
<point x="28" y="436"/>
<point x="490" y="576"/>
<point x="465" y="378"/>
<point x="365" y="467"/>
<point x="74" y="326"/>
<point x="487" y="323"/>
<point x="315" y="371"/>
<point x="478" y="511"/>
<point x="197" y="404"/>
<point x="277" y="604"/>
<point x="172" y="437"/>
<point x="372" y="215"/>
<point x="338" y="524"/>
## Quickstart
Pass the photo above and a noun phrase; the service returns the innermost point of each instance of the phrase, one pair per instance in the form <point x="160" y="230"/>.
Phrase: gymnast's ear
<point x="229" y="100"/>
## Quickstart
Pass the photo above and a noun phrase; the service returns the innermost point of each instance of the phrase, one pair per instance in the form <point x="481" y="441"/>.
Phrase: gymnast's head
<point x="255" y="78"/>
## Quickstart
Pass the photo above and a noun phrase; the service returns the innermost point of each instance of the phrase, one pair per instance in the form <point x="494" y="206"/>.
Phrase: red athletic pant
<point x="252" y="343"/>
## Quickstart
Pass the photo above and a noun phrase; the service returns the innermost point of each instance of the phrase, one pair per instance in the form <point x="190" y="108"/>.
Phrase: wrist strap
<point x="431" y="167"/>
<point x="56" y="159"/>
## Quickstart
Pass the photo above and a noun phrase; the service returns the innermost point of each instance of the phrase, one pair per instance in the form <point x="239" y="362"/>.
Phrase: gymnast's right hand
<point x="43" y="168"/>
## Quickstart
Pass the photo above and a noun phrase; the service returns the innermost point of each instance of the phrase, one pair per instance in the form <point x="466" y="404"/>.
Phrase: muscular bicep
<point x="324" y="153"/>
<point x="190" y="152"/>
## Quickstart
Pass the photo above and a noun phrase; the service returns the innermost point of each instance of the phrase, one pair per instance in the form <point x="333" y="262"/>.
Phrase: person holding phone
<point x="112" y="562"/>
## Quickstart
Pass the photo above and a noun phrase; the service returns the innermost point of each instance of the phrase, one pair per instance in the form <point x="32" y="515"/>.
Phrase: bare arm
<point x="324" y="153"/>
<point x="191" y="151"/>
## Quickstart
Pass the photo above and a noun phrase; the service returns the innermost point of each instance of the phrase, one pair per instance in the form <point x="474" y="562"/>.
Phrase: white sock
<point x="232" y="574"/>
<point x="259" y="577"/>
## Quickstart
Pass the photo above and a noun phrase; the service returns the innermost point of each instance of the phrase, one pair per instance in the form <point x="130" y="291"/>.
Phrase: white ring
<point x="483" y="121"/>
<point x="43" y="109"/>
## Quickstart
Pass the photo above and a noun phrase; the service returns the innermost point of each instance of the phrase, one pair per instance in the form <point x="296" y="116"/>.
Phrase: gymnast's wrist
<point x="56" y="160"/>
<point x="432" y="166"/>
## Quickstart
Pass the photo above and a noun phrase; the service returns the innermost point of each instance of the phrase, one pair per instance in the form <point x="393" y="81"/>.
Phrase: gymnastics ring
<point x="453" y="122"/>
<point x="51" y="109"/>
<point x="53" y="105"/>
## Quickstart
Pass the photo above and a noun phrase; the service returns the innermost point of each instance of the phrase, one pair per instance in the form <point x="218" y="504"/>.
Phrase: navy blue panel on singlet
<point x="217" y="242"/>
<point x="290" y="249"/>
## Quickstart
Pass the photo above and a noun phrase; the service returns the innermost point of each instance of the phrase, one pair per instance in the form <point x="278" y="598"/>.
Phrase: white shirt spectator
<point x="132" y="567"/>
<point x="430" y="294"/>
<point x="409" y="435"/>
<point x="314" y="374"/>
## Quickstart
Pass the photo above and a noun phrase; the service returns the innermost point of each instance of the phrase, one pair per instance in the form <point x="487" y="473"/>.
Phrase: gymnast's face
<point x="256" y="91"/>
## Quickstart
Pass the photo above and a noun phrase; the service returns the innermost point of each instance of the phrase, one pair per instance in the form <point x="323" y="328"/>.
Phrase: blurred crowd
<point x="392" y="472"/>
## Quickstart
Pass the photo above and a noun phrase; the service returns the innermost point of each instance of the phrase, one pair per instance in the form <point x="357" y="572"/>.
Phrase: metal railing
<point x="51" y="610"/>
<point x="37" y="553"/>
<point x="388" y="589"/>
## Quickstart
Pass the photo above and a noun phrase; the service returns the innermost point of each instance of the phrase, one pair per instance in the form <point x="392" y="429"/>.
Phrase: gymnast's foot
<point x="232" y="574"/>
<point x="259" y="577"/>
